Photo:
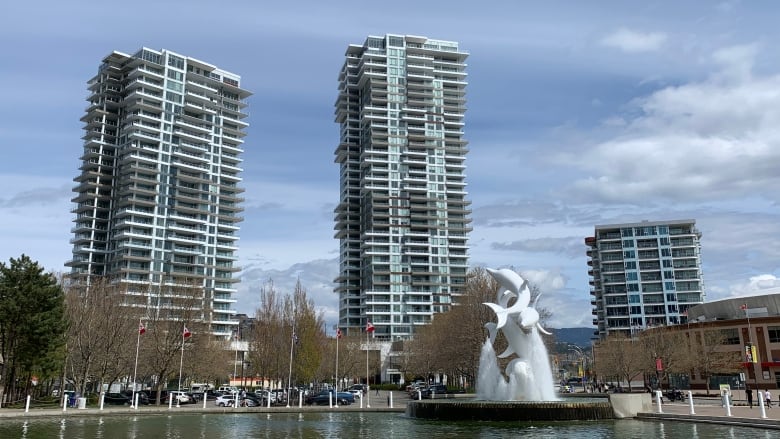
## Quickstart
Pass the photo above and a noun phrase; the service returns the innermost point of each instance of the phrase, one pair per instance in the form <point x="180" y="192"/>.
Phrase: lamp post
<point x="581" y="355"/>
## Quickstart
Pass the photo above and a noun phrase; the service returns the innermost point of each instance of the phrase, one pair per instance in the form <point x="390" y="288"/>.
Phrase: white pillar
<point x="419" y="395"/>
<point x="136" y="401"/>
<point x="690" y="402"/>
<point x="170" y="400"/>
<point x="268" y="398"/>
<point x="368" y="394"/>
<point x="761" y="403"/>
<point x="391" y="399"/>
<point x="205" y="398"/>
<point x="102" y="399"/>
<point x="300" y="399"/>
<point x="27" y="405"/>
<point x="727" y="403"/>
<point x="65" y="402"/>
<point x="658" y="401"/>
<point x="330" y="399"/>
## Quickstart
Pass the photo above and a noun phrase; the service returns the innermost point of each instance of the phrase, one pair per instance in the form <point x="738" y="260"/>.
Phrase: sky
<point x="579" y="114"/>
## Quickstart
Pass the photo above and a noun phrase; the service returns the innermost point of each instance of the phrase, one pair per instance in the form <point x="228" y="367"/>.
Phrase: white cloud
<point x="632" y="41"/>
<point x="756" y="286"/>
<point x="714" y="138"/>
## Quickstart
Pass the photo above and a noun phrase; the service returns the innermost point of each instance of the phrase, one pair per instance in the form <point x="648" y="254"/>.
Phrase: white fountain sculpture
<point x="529" y="375"/>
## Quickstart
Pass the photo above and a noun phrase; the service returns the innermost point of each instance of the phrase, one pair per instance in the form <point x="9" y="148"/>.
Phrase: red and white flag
<point x="743" y="307"/>
<point x="369" y="327"/>
<point x="338" y="333"/>
<point x="141" y="328"/>
<point x="186" y="333"/>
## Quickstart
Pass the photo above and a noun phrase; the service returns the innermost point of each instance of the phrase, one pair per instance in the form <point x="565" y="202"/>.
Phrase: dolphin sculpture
<point x="512" y="286"/>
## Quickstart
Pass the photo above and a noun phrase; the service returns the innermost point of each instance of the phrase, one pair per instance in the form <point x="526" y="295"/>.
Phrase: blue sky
<point x="579" y="113"/>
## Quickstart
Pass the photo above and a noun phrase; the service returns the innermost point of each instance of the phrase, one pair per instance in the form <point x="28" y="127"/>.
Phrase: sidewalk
<point x="378" y="404"/>
<point x="715" y="414"/>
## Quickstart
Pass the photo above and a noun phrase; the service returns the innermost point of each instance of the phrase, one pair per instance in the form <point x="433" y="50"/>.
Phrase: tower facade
<point x="403" y="218"/>
<point x="644" y="274"/>
<point x="157" y="200"/>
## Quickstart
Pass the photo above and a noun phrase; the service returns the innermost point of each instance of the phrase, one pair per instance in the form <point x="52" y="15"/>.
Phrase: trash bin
<point x="82" y="403"/>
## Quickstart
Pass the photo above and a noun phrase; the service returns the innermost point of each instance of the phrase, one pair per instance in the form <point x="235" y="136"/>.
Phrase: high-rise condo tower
<point x="158" y="200"/>
<point x="403" y="218"/>
<point x="644" y="274"/>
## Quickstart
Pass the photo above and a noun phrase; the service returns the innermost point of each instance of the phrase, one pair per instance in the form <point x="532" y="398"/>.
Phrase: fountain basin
<point x="477" y="410"/>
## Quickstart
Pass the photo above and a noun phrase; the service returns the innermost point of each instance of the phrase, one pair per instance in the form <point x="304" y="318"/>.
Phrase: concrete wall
<point x="627" y="405"/>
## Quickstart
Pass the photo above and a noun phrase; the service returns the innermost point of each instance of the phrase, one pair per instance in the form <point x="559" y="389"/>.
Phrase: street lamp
<point x="581" y="354"/>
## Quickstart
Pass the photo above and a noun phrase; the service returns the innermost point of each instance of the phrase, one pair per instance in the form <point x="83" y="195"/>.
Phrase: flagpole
<point x="289" y="374"/>
<point x="181" y="362"/>
<point x="750" y="342"/>
<point x="368" y="397"/>
<point x="338" y="335"/>
<point x="135" y="368"/>
<point x="235" y="358"/>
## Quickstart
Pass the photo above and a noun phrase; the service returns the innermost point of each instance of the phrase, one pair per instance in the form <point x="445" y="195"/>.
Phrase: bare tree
<point x="664" y="351"/>
<point x="707" y="354"/>
<point x="177" y="306"/>
<point x="266" y="341"/>
<point x="619" y="356"/>
<point x="100" y="334"/>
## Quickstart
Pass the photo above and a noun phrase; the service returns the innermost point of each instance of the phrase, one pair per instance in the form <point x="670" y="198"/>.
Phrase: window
<point x="730" y="336"/>
<point x="629" y="254"/>
<point x="395" y="41"/>
<point x="175" y="61"/>
<point x="628" y="243"/>
<point x="630" y="265"/>
<point x="774" y="334"/>
<point x="627" y="232"/>
<point x="632" y="287"/>
<point x="631" y="275"/>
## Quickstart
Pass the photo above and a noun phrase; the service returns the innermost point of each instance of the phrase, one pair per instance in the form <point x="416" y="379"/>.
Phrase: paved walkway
<point x="706" y="411"/>
<point x="378" y="404"/>
<point x="714" y="413"/>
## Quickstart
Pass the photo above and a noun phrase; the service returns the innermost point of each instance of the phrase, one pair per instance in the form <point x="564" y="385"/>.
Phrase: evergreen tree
<point x="32" y="325"/>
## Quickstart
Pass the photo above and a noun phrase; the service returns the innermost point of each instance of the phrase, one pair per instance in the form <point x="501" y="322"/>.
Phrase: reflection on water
<point x="349" y="425"/>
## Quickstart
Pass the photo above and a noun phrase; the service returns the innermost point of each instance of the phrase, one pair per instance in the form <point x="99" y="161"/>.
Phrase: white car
<point x="264" y="395"/>
<point x="224" y="401"/>
<point x="356" y="392"/>
<point x="181" y="397"/>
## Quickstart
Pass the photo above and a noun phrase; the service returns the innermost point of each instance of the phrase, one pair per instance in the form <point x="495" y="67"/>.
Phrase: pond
<point x="348" y="425"/>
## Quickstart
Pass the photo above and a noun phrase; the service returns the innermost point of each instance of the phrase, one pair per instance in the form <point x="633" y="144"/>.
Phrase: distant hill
<point x="577" y="336"/>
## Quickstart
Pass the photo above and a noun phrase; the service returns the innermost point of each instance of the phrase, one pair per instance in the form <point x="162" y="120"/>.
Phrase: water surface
<point x="349" y="425"/>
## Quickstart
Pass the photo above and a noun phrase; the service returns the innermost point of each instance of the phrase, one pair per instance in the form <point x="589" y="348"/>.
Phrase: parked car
<point x="251" y="401"/>
<point x="263" y="396"/>
<point x="143" y="398"/>
<point x="414" y="386"/>
<point x="412" y="389"/>
<point x="324" y="397"/>
<point x="356" y="392"/>
<point x="434" y="391"/>
<point x="181" y="397"/>
<point x="224" y="401"/>
<point x="116" y="399"/>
